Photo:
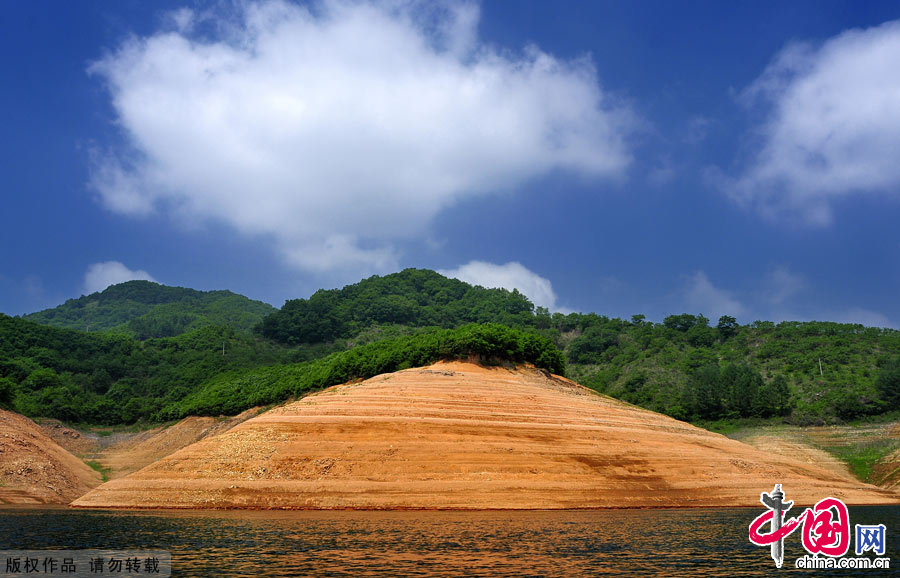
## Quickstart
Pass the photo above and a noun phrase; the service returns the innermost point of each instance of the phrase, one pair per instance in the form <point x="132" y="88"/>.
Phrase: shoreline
<point x="69" y="508"/>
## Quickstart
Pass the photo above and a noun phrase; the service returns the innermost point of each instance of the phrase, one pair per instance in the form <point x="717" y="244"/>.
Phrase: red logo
<point x="822" y="534"/>
<point x="826" y="526"/>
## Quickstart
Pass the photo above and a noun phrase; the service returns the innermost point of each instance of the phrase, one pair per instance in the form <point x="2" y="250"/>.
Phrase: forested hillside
<point x="413" y="297"/>
<point x="809" y="372"/>
<point x="686" y="366"/>
<point x="108" y="378"/>
<point x="144" y="309"/>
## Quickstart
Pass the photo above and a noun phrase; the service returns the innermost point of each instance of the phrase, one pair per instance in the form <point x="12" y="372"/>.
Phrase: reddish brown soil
<point x="886" y="472"/>
<point x="458" y="435"/>
<point x="135" y="452"/>
<point x="122" y="452"/>
<point x="34" y="469"/>
<point x="798" y="451"/>
<point x="79" y="443"/>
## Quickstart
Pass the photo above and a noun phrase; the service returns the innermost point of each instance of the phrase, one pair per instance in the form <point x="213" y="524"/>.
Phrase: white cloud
<point x="833" y="130"/>
<point x="863" y="316"/>
<point x="782" y="284"/>
<point x="99" y="276"/>
<point x="341" y="129"/>
<point x="697" y="129"/>
<point x="859" y="315"/>
<point x="702" y="296"/>
<point x="510" y="276"/>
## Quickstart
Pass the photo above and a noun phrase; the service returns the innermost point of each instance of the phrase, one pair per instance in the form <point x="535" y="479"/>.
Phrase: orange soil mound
<point x="135" y="452"/>
<point x="457" y="435"/>
<point x="123" y="452"/>
<point x="34" y="469"/>
<point x="798" y="451"/>
<point x="802" y="443"/>
<point x="72" y="440"/>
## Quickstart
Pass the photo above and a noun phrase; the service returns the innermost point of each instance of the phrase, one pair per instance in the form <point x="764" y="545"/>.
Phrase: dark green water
<point x="568" y="543"/>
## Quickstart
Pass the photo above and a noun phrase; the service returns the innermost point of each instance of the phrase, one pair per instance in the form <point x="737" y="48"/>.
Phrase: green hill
<point x="109" y="378"/>
<point x="144" y="309"/>
<point x="106" y="378"/>
<point x="810" y="372"/>
<point x="413" y="298"/>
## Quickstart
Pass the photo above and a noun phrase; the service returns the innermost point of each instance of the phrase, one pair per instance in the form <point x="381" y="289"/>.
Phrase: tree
<point x="888" y="384"/>
<point x="683" y="322"/>
<point x="542" y="318"/>
<point x="727" y="326"/>
<point x="7" y="391"/>
<point x="589" y="347"/>
<point x="703" y="394"/>
<point x="742" y="384"/>
<point x="42" y="378"/>
<point x="701" y="336"/>
<point x="773" y="398"/>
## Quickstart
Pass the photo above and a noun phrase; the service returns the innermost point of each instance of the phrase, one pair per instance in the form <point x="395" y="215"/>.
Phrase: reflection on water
<point x="608" y="542"/>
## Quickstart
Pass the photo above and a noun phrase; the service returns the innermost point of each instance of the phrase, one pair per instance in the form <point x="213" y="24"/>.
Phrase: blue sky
<point x="617" y="157"/>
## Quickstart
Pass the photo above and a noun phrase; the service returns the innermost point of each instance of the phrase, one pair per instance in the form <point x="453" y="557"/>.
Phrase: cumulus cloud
<point x="339" y="129"/>
<point x="782" y="284"/>
<point x="509" y="276"/>
<point x="704" y="297"/>
<point x="863" y="316"/>
<point x="99" y="276"/>
<point x="832" y="126"/>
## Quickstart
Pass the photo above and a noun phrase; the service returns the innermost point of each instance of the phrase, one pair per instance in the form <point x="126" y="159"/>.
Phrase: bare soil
<point x="462" y="436"/>
<point x="133" y="453"/>
<point x="34" y="469"/>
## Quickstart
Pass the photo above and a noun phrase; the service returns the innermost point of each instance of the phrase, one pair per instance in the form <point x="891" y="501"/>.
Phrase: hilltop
<point x="101" y="378"/>
<point x="410" y="298"/>
<point x="144" y="309"/>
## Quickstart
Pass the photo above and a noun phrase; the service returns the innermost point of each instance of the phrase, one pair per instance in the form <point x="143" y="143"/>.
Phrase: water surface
<point x="544" y="543"/>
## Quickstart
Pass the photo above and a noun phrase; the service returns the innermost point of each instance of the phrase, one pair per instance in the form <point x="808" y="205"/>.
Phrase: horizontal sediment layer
<point x="462" y="436"/>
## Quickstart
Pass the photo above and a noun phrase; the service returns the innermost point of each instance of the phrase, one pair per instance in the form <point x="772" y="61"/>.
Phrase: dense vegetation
<point x="811" y="372"/>
<point x="686" y="367"/>
<point x="413" y="297"/>
<point x="108" y="379"/>
<point x="144" y="310"/>
<point x="491" y="343"/>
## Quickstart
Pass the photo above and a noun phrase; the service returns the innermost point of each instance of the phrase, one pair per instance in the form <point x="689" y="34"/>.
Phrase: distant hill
<point x="412" y="298"/>
<point x="687" y="366"/>
<point x="145" y="309"/>
<point x="109" y="378"/>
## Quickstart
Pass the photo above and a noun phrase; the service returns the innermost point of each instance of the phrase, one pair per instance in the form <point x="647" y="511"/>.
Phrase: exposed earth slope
<point x="459" y="435"/>
<point x="121" y="453"/>
<point x="34" y="469"/>
<point x="134" y="453"/>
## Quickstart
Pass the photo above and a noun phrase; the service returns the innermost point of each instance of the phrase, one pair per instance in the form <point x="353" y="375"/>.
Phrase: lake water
<point x="545" y="543"/>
